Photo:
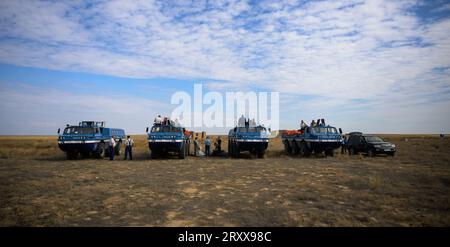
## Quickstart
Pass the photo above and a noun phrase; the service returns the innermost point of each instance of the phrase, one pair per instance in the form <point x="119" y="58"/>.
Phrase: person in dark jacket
<point x="344" y="144"/>
<point x="129" y="148"/>
<point x="219" y="144"/>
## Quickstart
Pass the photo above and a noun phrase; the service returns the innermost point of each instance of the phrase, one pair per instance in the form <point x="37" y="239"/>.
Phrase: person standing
<point x="303" y="125"/>
<point x="158" y="120"/>
<point x="112" y="144"/>
<point x="207" y="146"/>
<point x="129" y="148"/>
<point x="196" y="147"/>
<point x="241" y="122"/>
<point x="344" y="144"/>
<point x="219" y="144"/>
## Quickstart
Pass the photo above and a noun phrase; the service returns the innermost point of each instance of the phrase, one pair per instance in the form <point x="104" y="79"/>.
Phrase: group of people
<point x="319" y="122"/>
<point x="217" y="147"/>
<point x="165" y="121"/>
<point x="129" y="143"/>
<point x="246" y="122"/>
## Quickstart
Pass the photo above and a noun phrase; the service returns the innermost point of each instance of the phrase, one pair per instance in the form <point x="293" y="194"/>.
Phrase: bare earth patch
<point x="41" y="188"/>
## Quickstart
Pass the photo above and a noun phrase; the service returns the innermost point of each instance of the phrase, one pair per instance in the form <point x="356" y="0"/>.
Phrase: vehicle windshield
<point x="79" y="131"/>
<point x="252" y="129"/>
<point x="373" y="139"/>
<point x="323" y="130"/>
<point x="165" y="128"/>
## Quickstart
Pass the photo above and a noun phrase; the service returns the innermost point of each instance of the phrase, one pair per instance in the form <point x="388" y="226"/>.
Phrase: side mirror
<point x="340" y="131"/>
<point x="59" y="131"/>
<point x="146" y="130"/>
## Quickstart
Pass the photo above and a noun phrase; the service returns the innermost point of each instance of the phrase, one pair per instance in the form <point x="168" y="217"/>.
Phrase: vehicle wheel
<point x="304" y="150"/>
<point x="329" y="152"/>
<point x="351" y="151"/>
<point x="71" y="155"/>
<point x="153" y="154"/>
<point x="182" y="151"/>
<point x="85" y="155"/>
<point x="392" y="154"/>
<point x="233" y="149"/>
<point x="287" y="147"/>
<point x="236" y="150"/>
<point x="371" y="153"/>
<point x="99" y="151"/>
<point x="295" y="147"/>
<point x="261" y="154"/>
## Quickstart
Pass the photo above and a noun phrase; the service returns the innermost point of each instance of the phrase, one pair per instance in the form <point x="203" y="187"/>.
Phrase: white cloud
<point x="377" y="50"/>
<point x="33" y="110"/>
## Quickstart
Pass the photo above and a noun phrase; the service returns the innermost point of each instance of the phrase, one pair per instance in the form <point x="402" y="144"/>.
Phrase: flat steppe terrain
<point x="39" y="187"/>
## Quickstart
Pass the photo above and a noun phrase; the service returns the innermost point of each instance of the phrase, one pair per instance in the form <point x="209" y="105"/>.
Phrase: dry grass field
<point x="38" y="187"/>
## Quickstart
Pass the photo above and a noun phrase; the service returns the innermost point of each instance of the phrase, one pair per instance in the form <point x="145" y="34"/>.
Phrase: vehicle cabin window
<point x="373" y="139"/>
<point x="260" y="129"/>
<point x="361" y="139"/>
<point x="156" y="129"/>
<point x="242" y="129"/>
<point x="324" y="130"/>
<point x="78" y="131"/>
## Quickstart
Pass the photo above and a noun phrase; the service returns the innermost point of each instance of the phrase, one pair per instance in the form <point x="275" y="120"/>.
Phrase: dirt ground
<point x="38" y="187"/>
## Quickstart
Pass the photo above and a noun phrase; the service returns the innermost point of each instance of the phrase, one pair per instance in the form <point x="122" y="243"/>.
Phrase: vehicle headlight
<point x="393" y="145"/>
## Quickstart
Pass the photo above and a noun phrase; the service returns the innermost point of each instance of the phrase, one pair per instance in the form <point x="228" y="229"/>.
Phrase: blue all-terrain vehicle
<point x="168" y="138"/>
<point x="89" y="138"/>
<point x="317" y="139"/>
<point x="252" y="139"/>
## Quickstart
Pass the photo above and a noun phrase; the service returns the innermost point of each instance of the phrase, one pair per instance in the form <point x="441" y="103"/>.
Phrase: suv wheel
<point x="371" y="153"/>
<point x="351" y="151"/>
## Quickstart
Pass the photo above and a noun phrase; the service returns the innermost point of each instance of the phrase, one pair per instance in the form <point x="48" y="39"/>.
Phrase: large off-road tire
<point x="287" y="147"/>
<point x="71" y="155"/>
<point x="85" y="155"/>
<point x="153" y="154"/>
<point x="261" y="154"/>
<point x="371" y="153"/>
<point x="295" y="147"/>
<point x="329" y="152"/>
<point x="304" y="150"/>
<point x="99" y="152"/>
<point x="231" y="149"/>
<point x="236" y="150"/>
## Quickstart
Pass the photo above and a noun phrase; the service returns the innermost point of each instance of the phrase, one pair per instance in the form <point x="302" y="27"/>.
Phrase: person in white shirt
<point x="158" y="120"/>
<point x="303" y="125"/>
<point x="252" y="123"/>
<point x="129" y="148"/>
<point x="112" y="144"/>
<point x="241" y="122"/>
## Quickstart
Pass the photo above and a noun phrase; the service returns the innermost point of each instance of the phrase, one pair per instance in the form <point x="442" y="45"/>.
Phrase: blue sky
<point x="375" y="66"/>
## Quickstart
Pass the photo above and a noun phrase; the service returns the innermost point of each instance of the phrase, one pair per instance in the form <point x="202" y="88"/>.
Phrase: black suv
<point x="370" y="144"/>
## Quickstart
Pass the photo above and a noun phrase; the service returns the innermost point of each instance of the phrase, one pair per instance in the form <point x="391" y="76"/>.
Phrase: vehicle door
<point x="362" y="144"/>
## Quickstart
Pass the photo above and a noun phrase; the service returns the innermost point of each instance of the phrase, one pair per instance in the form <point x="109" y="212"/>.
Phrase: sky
<point x="373" y="66"/>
